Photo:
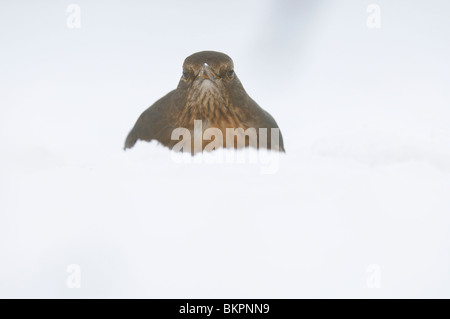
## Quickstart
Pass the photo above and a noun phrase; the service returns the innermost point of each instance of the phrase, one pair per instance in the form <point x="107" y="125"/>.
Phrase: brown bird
<point x="209" y="90"/>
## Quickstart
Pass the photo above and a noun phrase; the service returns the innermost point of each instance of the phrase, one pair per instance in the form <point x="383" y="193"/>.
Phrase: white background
<point x="365" y="180"/>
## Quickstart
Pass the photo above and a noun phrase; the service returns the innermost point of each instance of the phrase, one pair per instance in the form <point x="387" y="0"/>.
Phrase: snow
<point x="365" y="180"/>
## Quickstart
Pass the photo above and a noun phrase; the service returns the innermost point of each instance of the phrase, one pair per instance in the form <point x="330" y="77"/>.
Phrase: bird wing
<point x="154" y="123"/>
<point x="259" y="118"/>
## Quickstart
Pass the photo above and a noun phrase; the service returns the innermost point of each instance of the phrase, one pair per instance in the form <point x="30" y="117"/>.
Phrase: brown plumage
<point x="210" y="91"/>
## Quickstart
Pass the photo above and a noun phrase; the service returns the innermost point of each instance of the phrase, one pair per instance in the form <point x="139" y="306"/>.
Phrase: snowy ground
<point x="365" y="180"/>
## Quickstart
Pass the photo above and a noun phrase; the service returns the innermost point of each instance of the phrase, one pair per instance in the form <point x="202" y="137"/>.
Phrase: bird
<point x="210" y="96"/>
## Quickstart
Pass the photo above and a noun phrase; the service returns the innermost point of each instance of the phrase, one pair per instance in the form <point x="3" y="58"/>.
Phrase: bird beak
<point x="206" y="73"/>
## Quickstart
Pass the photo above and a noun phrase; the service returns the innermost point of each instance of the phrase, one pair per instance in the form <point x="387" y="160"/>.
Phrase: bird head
<point x="209" y="71"/>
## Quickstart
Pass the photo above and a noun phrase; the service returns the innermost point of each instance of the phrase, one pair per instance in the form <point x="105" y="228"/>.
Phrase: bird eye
<point x="230" y="73"/>
<point x="185" y="74"/>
